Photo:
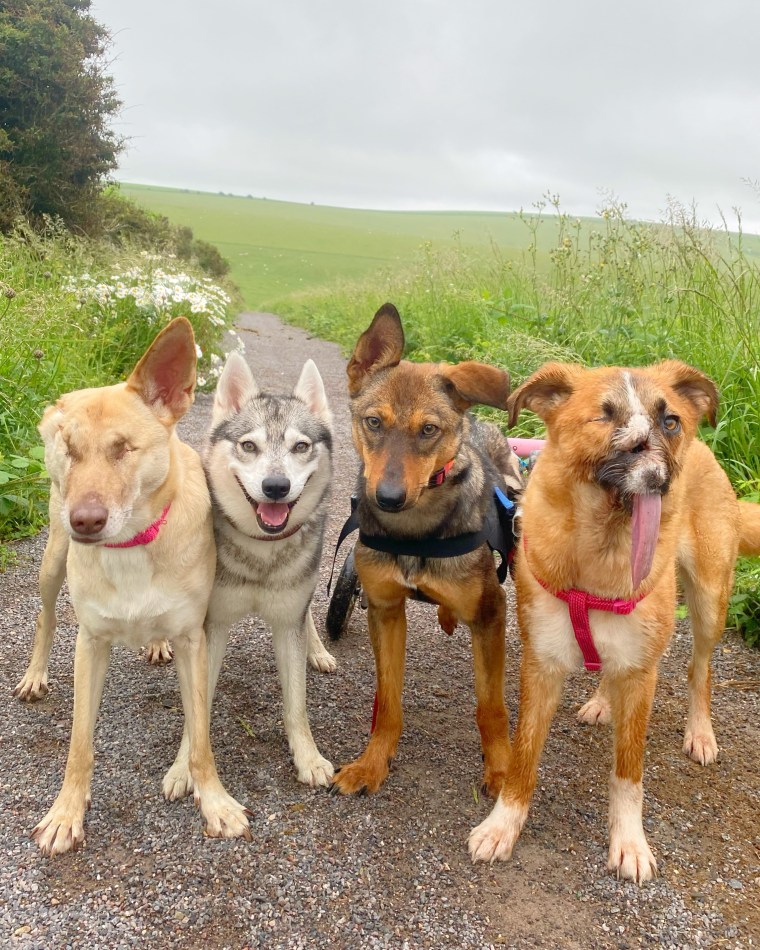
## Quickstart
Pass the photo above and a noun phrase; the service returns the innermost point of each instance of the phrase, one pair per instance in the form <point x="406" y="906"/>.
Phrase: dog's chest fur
<point x="103" y="587"/>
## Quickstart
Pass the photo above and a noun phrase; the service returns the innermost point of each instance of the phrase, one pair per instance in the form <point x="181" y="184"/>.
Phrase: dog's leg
<point x="488" y="651"/>
<point x="387" y="630"/>
<point x="178" y="781"/>
<point x="707" y="603"/>
<point x="540" y="692"/>
<point x="290" y="654"/>
<point x="631" y="696"/>
<point x="597" y="710"/>
<point x="224" y="817"/>
<point x="62" y="829"/>
<point x="317" y="654"/>
<point x="34" y="684"/>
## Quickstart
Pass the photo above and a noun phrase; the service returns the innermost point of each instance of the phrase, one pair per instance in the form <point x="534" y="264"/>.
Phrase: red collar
<point x="439" y="477"/>
<point x="146" y="536"/>
<point x="579" y="603"/>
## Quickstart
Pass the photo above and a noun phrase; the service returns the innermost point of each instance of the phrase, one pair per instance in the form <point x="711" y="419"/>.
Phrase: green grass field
<point x="276" y="248"/>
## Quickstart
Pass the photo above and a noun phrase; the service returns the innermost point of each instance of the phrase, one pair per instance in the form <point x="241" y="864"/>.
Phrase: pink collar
<point x="439" y="477"/>
<point x="579" y="603"/>
<point x="146" y="536"/>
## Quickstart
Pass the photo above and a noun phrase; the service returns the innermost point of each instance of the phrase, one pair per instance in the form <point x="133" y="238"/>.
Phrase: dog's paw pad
<point x="316" y="772"/>
<point x="494" y="838"/>
<point x="223" y="816"/>
<point x="31" y="688"/>
<point x="632" y="860"/>
<point x="596" y="712"/>
<point x="701" y="746"/>
<point x="159" y="651"/>
<point x="59" y="832"/>
<point x="360" y="778"/>
<point x="323" y="662"/>
<point x="177" y="783"/>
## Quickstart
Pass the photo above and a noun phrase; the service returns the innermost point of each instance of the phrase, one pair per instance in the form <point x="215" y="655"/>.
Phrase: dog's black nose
<point x="390" y="496"/>
<point x="275" y="487"/>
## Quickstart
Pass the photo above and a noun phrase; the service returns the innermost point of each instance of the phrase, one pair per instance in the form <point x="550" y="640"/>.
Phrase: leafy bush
<point x="56" y="101"/>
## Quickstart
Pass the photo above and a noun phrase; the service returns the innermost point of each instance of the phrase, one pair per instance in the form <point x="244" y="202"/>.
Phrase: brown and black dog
<point x="428" y="471"/>
<point x="622" y="499"/>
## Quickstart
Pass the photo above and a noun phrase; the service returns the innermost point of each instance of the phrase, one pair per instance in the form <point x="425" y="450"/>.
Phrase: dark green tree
<point x="56" y="104"/>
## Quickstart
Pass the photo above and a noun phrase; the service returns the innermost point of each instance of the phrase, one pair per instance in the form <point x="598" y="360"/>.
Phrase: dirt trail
<point x="391" y="870"/>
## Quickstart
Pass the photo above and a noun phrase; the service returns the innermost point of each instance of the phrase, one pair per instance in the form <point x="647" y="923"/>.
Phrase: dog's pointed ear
<point x="543" y="392"/>
<point x="165" y="376"/>
<point x="472" y="383"/>
<point x="379" y="347"/>
<point x="235" y="387"/>
<point x="311" y="390"/>
<point x="691" y="384"/>
<point x="52" y="420"/>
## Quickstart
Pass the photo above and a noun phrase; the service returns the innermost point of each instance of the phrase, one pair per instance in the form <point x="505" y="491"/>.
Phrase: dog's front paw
<point x="315" y="771"/>
<point x="32" y="687"/>
<point x="178" y="782"/>
<point x="631" y="858"/>
<point x="62" y="829"/>
<point x="596" y="712"/>
<point x="159" y="651"/>
<point x="322" y="661"/>
<point x="224" y="817"/>
<point x="364" y="775"/>
<point x="494" y="838"/>
<point x="700" y="745"/>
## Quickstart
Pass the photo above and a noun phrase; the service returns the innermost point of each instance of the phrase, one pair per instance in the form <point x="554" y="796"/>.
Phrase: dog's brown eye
<point x="301" y="447"/>
<point x="248" y="446"/>
<point x="429" y="429"/>
<point x="672" y="424"/>
<point x="372" y="422"/>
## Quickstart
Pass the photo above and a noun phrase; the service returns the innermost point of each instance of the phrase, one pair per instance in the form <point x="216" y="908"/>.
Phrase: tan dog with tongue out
<point x="623" y="496"/>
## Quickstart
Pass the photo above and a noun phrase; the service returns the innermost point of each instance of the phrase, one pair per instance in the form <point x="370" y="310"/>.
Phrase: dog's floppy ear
<point x="311" y="390"/>
<point x="469" y="383"/>
<point x="691" y="384"/>
<point x="235" y="387"/>
<point x="165" y="376"/>
<point x="379" y="347"/>
<point x="542" y="392"/>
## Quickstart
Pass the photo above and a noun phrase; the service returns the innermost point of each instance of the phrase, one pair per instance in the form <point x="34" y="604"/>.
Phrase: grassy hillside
<point x="278" y="247"/>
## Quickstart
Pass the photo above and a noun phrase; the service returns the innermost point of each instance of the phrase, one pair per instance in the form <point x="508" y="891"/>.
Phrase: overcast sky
<point x="444" y="104"/>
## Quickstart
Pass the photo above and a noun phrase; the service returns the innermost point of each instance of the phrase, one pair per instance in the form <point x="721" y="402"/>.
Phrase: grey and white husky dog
<point x="268" y="465"/>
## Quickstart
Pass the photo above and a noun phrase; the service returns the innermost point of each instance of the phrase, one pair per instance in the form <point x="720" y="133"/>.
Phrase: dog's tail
<point x="749" y="528"/>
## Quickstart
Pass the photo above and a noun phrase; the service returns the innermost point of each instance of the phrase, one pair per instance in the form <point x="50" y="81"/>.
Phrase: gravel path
<point x="390" y="870"/>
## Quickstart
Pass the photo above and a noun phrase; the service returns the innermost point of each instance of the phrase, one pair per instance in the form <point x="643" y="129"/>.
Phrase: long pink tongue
<point x="273" y="513"/>
<point x="645" y="530"/>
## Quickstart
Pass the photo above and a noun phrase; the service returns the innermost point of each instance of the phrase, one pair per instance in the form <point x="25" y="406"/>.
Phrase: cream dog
<point x="132" y="501"/>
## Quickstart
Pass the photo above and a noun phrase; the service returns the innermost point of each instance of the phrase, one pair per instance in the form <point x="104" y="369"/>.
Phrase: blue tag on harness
<point x="503" y="500"/>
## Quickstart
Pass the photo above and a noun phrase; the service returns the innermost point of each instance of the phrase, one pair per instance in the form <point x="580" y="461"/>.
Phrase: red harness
<point x="579" y="603"/>
<point x="146" y="536"/>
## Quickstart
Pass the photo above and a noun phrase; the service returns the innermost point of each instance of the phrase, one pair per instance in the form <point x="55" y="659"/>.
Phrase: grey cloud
<point x="406" y="103"/>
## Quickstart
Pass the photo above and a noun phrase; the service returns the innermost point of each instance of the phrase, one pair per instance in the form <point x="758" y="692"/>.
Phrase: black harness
<point x="497" y="532"/>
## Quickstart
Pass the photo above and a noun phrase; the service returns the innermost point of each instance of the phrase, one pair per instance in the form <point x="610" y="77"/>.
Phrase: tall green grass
<point x="69" y="318"/>
<point x="623" y="292"/>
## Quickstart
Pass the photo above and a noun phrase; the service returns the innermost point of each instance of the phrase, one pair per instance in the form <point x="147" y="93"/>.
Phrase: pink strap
<point x="439" y="477"/>
<point x="146" y="536"/>
<point x="579" y="603"/>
